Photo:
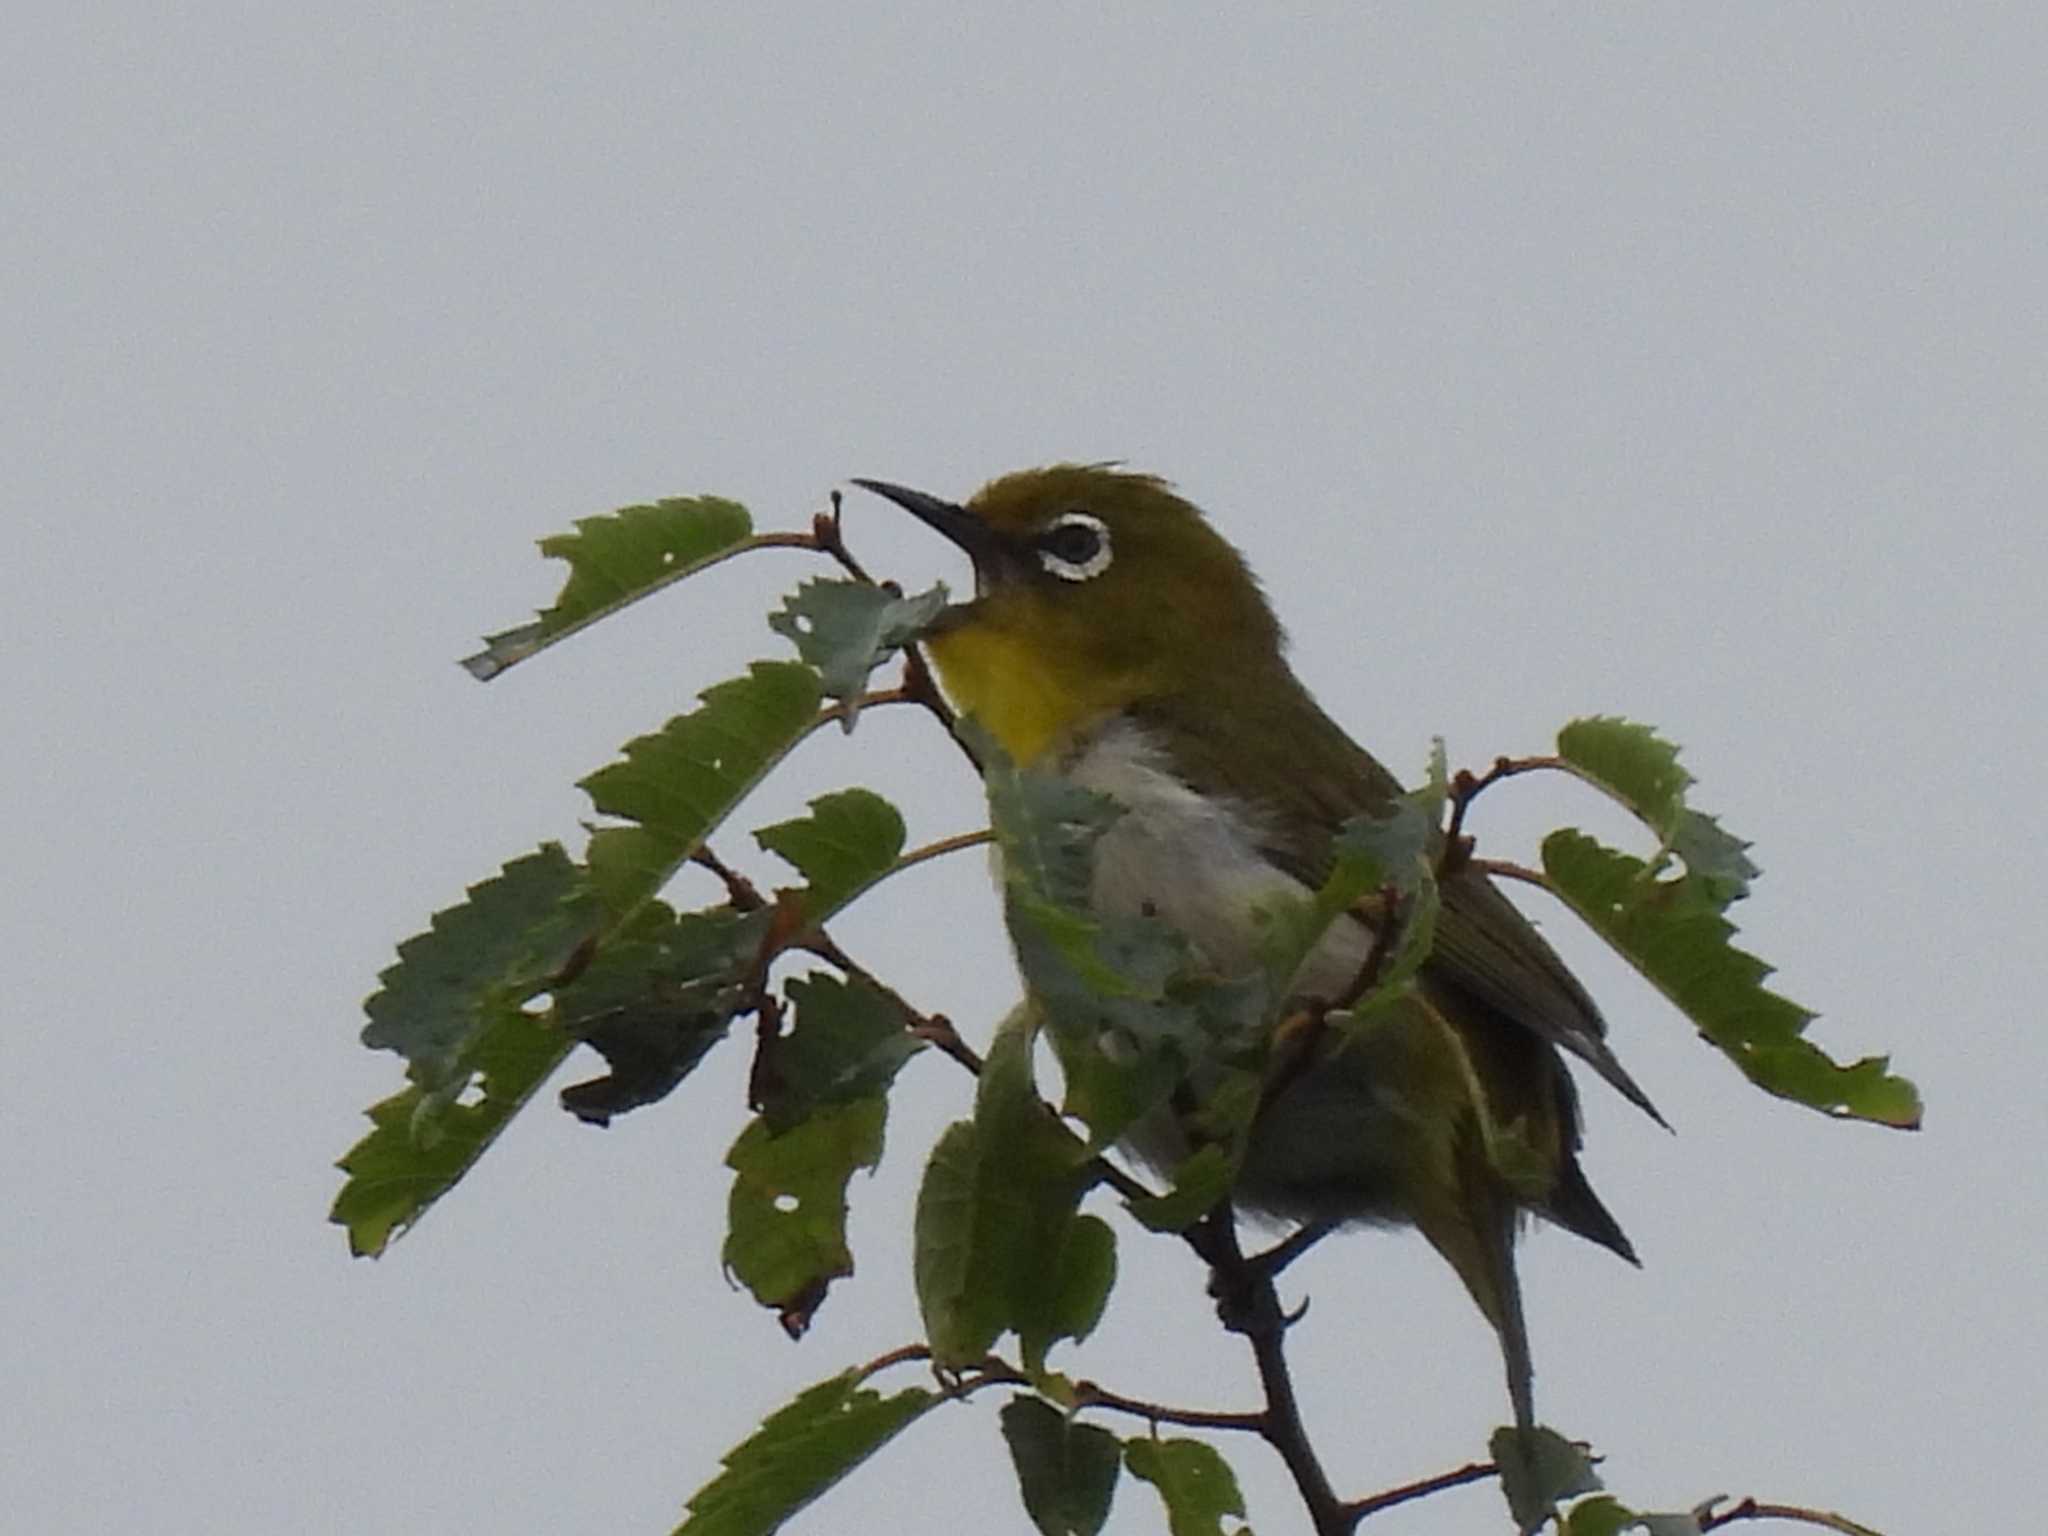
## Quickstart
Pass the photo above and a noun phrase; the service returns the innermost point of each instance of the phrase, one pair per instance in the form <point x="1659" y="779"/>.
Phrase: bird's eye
<point x="1076" y="547"/>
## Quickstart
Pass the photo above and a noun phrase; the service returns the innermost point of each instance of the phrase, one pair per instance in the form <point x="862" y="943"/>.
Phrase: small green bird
<point x="1118" y="639"/>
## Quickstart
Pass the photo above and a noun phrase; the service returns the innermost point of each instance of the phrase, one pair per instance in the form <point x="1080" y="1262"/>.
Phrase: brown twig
<point x="993" y="1370"/>
<point x="1467" y="787"/>
<point x="1384" y="938"/>
<point x="1299" y="1033"/>
<point x="829" y="537"/>
<point x="739" y="890"/>
<point x="1249" y="1304"/>
<point x="1711" y="1519"/>
<point x="934" y="1028"/>
<point x="1511" y="871"/>
<point x="1089" y="1395"/>
<point x="1471" y="1472"/>
<point x="939" y="847"/>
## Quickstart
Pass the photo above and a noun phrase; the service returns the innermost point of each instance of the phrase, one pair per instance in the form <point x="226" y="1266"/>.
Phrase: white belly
<point x="1195" y="863"/>
<point x="1325" y="1149"/>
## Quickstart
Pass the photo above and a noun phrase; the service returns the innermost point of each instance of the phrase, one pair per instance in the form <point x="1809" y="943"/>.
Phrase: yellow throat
<point x="1016" y="688"/>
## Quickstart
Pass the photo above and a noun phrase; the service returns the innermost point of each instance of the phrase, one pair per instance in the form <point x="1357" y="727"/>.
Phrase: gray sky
<point x="1685" y="362"/>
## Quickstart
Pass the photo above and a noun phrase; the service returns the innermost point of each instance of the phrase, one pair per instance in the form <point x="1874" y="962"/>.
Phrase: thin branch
<point x="1300" y="1032"/>
<point x="1511" y="871"/>
<point x="1088" y="1394"/>
<point x="739" y="890"/>
<point x="938" y="848"/>
<point x="1467" y="787"/>
<point x="829" y="537"/>
<point x="1471" y="1472"/>
<point x="1248" y="1304"/>
<point x="900" y="1356"/>
<point x="1384" y="937"/>
<point x="871" y="700"/>
<point x="921" y="686"/>
<point x="993" y="1370"/>
<point x="1749" y="1509"/>
<point x="935" y="1028"/>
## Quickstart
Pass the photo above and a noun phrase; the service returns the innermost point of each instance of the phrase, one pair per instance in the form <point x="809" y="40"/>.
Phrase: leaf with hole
<point x="617" y="559"/>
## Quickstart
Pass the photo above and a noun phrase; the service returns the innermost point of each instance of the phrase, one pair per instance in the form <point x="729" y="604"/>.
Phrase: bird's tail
<point x="1477" y="1237"/>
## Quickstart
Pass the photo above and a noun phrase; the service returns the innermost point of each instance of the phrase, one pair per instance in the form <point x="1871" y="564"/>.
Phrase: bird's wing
<point x="1285" y="760"/>
<point x="1487" y="949"/>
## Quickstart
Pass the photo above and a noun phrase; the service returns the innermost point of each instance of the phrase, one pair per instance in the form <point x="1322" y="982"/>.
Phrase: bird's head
<point x="1094" y="587"/>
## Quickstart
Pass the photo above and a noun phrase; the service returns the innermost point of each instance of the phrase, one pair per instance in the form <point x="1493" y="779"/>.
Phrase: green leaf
<point x="451" y="1006"/>
<point x="1045" y="824"/>
<point x="848" y="628"/>
<point x="1371" y="853"/>
<point x="1632" y="763"/>
<point x="1640" y="770"/>
<point x="998" y="1197"/>
<point x="1716" y="858"/>
<point x="1538" y="1468"/>
<point x="423" y="1142"/>
<point x="1066" y="1470"/>
<point x="799" y="1453"/>
<point x="1198" y="1183"/>
<point x="961" y="1320"/>
<point x="786" y="1219"/>
<point x="1602" y="1515"/>
<point x="617" y="559"/>
<point x="1431" y="795"/>
<point x="498" y="948"/>
<point x="656" y="997"/>
<point x="1193" y="1479"/>
<point x="1083" y="1272"/>
<point x="1128" y="1009"/>
<point x="1672" y="931"/>
<point x="680" y="782"/>
<point x="847" y="1041"/>
<point x="848" y="842"/>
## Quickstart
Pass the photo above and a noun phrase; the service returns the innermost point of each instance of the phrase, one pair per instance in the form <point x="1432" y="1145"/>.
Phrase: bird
<point x="1118" y="640"/>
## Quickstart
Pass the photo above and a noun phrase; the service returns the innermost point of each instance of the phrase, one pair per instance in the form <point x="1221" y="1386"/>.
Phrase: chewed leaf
<point x="1045" y="823"/>
<point x="680" y="782"/>
<point x="452" y="1001"/>
<point x="1369" y="854"/>
<point x="1066" y="1470"/>
<point x="1714" y="856"/>
<point x="994" y="1214"/>
<point x="1641" y="770"/>
<point x="848" y="628"/>
<point x="786" y="1232"/>
<point x="1196" y="1483"/>
<point x="799" y="1453"/>
<point x="1127" y="1005"/>
<point x="848" y="842"/>
<point x="499" y="947"/>
<point x="423" y="1142"/>
<point x="658" y="995"/>
<point x="617" y="559"/>
<point x="1634" y="764"/>
<point x="1671" y="929"/>
<point x="846" y="1041"/>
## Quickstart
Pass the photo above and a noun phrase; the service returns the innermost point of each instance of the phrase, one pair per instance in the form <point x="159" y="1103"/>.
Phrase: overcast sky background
<point x="1679" y="361"/>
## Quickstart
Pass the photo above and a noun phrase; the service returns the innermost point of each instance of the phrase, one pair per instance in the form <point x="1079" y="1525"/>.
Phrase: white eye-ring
<point x="1075" y="547"/>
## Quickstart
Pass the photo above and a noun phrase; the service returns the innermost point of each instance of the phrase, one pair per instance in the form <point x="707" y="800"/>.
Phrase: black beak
<point x="969" y="532"/>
